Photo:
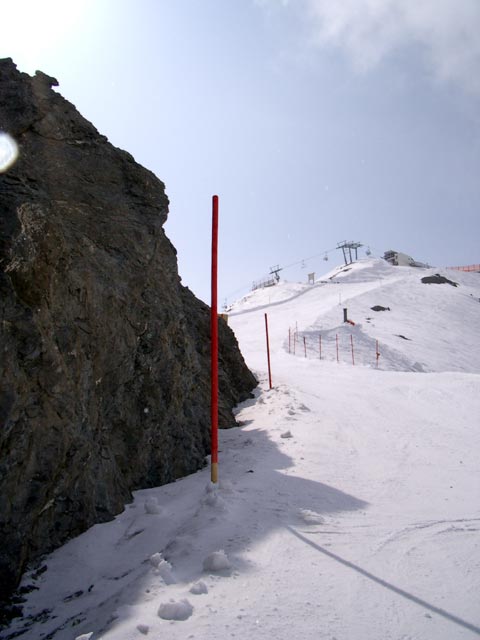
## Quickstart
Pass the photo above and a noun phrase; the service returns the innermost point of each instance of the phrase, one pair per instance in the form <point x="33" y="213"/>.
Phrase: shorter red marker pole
<point x="268" y="353"/>
<point x="214" y="345"/>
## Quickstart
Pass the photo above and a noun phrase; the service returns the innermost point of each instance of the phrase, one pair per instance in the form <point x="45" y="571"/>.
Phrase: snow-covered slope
<point x="422" y="327"/>
<point x="349" y="500"/>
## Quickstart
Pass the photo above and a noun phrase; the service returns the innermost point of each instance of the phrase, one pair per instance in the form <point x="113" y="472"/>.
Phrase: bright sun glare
<point x="8" y="151"/>
<point x="32" y="30"/>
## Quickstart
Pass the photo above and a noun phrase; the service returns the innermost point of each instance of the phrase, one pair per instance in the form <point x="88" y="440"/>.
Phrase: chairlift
<point x="303" y="264"/>
<point x="368" y="252"/>
<point x="325" y="257"/>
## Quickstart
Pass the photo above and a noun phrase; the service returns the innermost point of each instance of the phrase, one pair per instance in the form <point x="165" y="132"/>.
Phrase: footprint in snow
<point x="311" y="517"/>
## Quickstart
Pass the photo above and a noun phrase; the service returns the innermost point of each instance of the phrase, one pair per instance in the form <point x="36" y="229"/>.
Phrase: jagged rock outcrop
<point x="104" y="373"/>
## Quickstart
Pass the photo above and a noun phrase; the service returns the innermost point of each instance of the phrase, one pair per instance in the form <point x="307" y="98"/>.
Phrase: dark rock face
<point x="104" y="371"/>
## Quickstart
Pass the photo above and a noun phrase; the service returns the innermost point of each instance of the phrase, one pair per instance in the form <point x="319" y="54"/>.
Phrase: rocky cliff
<point x="104" y="371"/>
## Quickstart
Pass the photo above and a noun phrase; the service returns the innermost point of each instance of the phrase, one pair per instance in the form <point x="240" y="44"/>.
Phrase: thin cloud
<point x="370" y="30"/>
<point x="445" y="32"/>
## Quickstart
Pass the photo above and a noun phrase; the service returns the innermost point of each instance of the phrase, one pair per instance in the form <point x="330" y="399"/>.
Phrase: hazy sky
<point x="315" y="121"/>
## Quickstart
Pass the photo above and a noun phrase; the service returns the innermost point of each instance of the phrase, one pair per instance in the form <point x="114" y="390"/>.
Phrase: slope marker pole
<point x="214" y="345"/>
<point x="268" y="353"/>
<point x="336" y="342"/>
<point x="351" y="342"/>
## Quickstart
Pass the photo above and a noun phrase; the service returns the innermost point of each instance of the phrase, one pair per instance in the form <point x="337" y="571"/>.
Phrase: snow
<point x="175" y="610"/>
<point x="362" y="523"/>
<point x="216" y="561"/>
<point x="151" y="505"/>
<point x="199" y="588"/>
<point x="162" y="568"/>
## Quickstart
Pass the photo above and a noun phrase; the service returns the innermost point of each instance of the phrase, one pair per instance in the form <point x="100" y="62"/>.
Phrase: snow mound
<point x="181" y="610"/>
<point x="198" y="588"/>
<point x="311" y="517"/>
<point x="152" y="506"/>
<point x="85" y="636"/>
<point x="216" y="561"/>
<point x="211" y="487"/>
<point x="155" y="559"/>
<point x="162" y="568"/>
<point x="212" y="499"/>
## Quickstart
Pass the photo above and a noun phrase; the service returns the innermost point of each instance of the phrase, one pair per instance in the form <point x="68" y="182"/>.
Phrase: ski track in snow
<point x="348" y="503"/>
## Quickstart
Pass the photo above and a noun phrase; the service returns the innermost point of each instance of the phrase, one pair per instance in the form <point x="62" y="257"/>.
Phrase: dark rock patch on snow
<point x="379" y="307"/>
<point x="438" y="279"/>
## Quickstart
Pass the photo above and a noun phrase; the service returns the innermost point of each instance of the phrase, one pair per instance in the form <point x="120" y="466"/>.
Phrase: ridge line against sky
<point x="314" y="121"/>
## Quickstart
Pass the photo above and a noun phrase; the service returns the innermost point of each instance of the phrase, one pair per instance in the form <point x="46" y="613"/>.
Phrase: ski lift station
<point x="399" y="259"/>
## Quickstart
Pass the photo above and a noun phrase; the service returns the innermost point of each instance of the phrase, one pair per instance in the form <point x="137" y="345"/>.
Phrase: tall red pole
<point x="268" y="353"/>
<point x="214" y="344"/>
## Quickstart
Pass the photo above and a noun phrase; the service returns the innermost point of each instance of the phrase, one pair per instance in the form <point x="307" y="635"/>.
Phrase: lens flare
<point x="8" y="151"/>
